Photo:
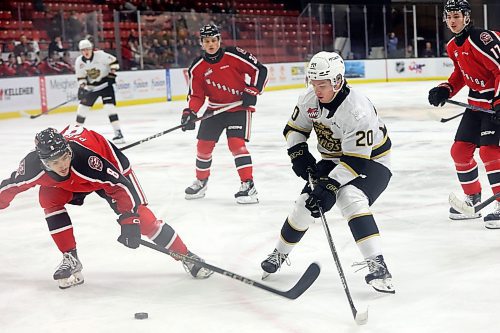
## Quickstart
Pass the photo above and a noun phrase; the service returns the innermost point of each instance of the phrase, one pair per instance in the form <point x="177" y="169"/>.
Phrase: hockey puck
<point x="141" y="315"/>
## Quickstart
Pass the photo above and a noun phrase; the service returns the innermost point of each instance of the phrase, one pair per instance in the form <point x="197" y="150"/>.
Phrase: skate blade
<point x="247" y="200"/>
<point x="463" y="217"/>
<point x="74" y="280"/>
<point x="195" y="196"/>
<point x="265" y="275"/>
<point x="492" y="225"/>
<point x="383" y="286"/>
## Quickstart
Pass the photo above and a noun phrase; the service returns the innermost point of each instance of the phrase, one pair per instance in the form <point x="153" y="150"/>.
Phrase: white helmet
<point x="326" y="66"/>
<point x="85" y="44"/>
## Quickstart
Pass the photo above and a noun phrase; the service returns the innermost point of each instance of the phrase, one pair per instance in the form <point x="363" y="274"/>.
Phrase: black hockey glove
<point x="303" y="163"/>
<point x="438" y="95"/>
<point x="82" y="93"/>
<point x="187" y="119"/>
<point x="324" y="195"/>
<point x="131" y="230"/>
<point x="249" y="97"/>
<point x="495" y="118"/>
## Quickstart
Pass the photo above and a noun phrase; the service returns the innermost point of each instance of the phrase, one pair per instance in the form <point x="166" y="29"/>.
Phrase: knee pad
<point x="53" y="198"/>
<point x="237" y="146"/>
<point x="205" y="148"/>
<point x="489" y="155"/>
<point x="462" y="152"/>
<point x="352" y="201"/>
<point x="300" y="218"/>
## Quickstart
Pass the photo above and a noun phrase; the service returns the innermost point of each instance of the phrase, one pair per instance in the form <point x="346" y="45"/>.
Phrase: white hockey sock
<point x="81" y="113"/>
<point x="371" y="247"/>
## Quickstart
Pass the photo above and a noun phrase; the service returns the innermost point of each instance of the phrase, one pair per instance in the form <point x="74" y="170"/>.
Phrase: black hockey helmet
<point x="209" y="30"/>
<point x="457" y="6"/>
<point x="50" y="145"/>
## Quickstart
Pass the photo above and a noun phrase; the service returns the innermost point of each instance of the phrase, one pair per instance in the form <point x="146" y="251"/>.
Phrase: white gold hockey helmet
<point x="85" y="44"/>
<point x="326" y="66"/>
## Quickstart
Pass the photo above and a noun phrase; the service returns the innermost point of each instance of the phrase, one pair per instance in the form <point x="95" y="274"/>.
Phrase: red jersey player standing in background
<point x="220" y="74"/>
<point x="70" y="165"/>
<point x="476" y="56"/>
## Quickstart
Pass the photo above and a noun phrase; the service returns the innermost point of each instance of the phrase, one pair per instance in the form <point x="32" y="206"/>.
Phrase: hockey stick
<point x="468" y="106"/>
<point x="307" y="279"/>
<point x="462" y="207"/>
<point x="206" y="116"/>
<point x="51" y="109"/>
<point x="444" y="120"/>
<point x="360" y="318"/>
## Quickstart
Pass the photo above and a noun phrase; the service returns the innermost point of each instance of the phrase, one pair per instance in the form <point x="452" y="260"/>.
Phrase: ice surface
<point x="445" y="272"/>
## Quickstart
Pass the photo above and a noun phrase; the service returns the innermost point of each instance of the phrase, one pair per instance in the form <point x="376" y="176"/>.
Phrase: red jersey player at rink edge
<point x="219" y="74"/>
<point x="476" y="56"/>
<point x="70" y="165"/>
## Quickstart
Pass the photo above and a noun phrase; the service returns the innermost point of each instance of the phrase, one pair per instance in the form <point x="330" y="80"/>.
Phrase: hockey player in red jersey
<point x="70" y="165"/>
<point x="219" y="74"/>
<point x="476" y="56"/>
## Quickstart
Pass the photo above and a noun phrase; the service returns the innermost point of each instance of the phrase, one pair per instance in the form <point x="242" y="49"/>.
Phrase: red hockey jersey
<point x="223" y="82"/>
<point x="476" y="57"/>
<point x="96" y="165"/>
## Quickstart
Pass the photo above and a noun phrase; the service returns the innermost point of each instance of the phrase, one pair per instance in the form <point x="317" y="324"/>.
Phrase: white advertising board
<point x="37" y="93"/>
<point x="19" y="94"/>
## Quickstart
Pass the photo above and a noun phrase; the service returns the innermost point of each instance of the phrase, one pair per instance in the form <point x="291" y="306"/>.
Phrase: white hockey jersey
<point x="348" y="130"/>
<point x="92" y="71"/>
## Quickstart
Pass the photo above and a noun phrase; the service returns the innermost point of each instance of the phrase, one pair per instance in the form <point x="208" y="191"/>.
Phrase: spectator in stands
<point x="150" y="60"/>
<point x="428" y="51"/>
<point x="66" y="58"/>
<point x="157" y="48"/>
<point x="10" y="67"/>
<point x="392" y="45"/>
<point x="75" y="28"/>
<point x="26" y="67"/>
<point x="23" y="46"/>
<point x="409" y="51"/>
<point x="229" y="7"/>
<point x="56" y="45"/>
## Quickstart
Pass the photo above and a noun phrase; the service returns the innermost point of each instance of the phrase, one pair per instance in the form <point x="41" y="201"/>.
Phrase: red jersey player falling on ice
<point x="72" y="164"/>
<point x="220" y="74"/>
<point x="476" y="56"/>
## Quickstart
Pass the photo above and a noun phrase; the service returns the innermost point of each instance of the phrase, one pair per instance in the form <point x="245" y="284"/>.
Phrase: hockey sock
<point x="490" y="155"/>
<point x="113" y="116"/>
<point x="204" y="158"/>
<point x="467" y="172"/>
<point x="366" y="234"/>
<point x="81" y="113"/>
<point x="242" y="158"/>
<point x="60" y="228"/>
<point x="289" y="236"/>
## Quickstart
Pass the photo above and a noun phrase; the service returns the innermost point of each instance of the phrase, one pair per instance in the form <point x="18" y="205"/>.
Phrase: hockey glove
<point x="82" y="92"/>
<point x="249" y="97"/>
<point x="187" y="119"/>
<point x="438" y="95"/>
<point x="324" y="195"/>
<point x="303" y="163"/>
<point x="131" y="230"/>
<point x="495" y="118"/>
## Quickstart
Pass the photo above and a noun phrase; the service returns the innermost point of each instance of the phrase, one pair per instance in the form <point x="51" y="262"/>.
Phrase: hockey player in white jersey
<point x="353" y="171"/>
<point x="96" y="75"/>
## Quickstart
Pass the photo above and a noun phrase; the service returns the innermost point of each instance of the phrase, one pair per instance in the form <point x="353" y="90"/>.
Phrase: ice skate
<point x="471" y="200"/>
<point x="247" y="193"/>
<point x="273" y="263"/>
<point x="492" y="220"/>
<point x="195" y="270"/>
<point x="197" y="189"/>
<point x="379" y="277"/>
<point x="69" y="272"/>
<point x="118" y="139"/>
